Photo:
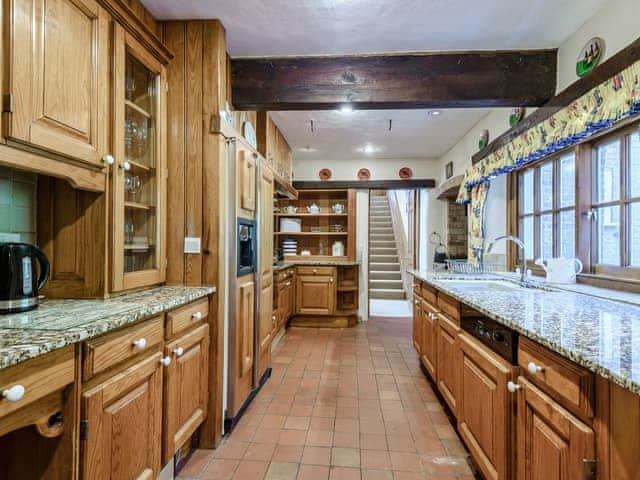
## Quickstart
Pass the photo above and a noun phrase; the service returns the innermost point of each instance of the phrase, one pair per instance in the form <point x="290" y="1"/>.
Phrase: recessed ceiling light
<point x="369" y="149"/>
<point x="346" y="108"/>
<point x="435" y="113"/>
<point x="307" y="149"/>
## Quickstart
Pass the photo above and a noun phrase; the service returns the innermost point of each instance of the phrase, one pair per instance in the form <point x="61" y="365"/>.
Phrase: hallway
<point x="345" y="404"/>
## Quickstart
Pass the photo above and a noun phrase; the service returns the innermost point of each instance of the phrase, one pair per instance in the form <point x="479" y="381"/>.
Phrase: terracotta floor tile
<point x="260" y="451"/>
<point x="324" y="411"/>
<point x="301" y="410"/>
<point x="347" y="425"/>
<point x="313" y="472"/>
<point x="401" y="443"/>
<point x="292" y="437"/>
<point x="316" y="455"/>
<point x="408" y="462"/>
<point x="321" y="423"/>
<point x="400" y="475"/>
<point x="220" y="469"/>
<point x="282" y="471"/>
<point x="320" y="438"/>
<point x="251" y="470"/>
<point x="346" y="439"/>
<point x="342" y="473"/>
<point x="375" y="459"/>
<point x="297" y="423"/>
<point x="273" y="421"/>
<point x="266" y="435"/>
<point x="287" y="453"/>
<point x="345" y="457"/>
<point x="232" y="449"/>
<point x="368" y="474"/>
<point x="373" y="441"/>
<point x="197" y="463"/>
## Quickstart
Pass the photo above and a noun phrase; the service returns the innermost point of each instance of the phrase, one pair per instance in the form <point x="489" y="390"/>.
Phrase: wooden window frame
<point x="607" y="276"/>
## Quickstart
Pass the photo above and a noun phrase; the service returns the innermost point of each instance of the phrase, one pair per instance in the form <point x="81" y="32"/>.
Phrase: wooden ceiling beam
<point x="430" y="80"/>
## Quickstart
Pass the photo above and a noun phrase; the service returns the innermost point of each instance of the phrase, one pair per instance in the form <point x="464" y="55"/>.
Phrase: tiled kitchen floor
<point x="346" y="404"/>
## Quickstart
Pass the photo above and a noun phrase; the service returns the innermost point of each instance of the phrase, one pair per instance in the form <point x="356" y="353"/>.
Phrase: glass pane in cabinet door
<point x="140" y="181"/>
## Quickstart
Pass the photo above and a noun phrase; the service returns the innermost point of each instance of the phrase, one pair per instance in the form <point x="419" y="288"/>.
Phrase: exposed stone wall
<point x="456" y="230"/>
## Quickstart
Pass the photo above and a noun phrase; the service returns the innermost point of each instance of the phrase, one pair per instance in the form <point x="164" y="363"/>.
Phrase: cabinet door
<point x="485" y="408"/>
<point x="315" y="294"/>
<point x="139" y="180"/>
<point x="247" y="180"/>
<point x="283" y="304"/>
<point x="291" y="293"/>
<point x="123" y="417"/>
<point x="417" y="323"/>
<point x="59" y="76"/>
<point x="244" y="333"/>
<point x="448" y="354"/>
<point x="429" y="341"/>
<point x="185" y="388"/>
<point x="265" y="324"/>
<point x="552" y="443"/>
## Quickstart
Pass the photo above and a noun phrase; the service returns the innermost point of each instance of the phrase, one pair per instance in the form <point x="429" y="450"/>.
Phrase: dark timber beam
<point x="430" y="80"/>
<point x="365" y="185"/>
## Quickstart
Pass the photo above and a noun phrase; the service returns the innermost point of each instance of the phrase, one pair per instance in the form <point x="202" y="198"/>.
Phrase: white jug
<point x="560" y="270"/>
<point x="337" y="249"/>
<point x="313" y="209"/>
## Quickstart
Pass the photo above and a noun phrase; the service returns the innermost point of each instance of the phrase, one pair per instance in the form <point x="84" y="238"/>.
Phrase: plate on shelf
<point x="364" y="174"/>
<point x="324" y="174"/>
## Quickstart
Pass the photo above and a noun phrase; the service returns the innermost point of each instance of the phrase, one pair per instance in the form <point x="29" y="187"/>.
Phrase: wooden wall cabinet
<point x="124" y="424"/>
<point x="58" y="77"/>
<point x="247" y="182"/>
<point x="139" y="176"/>
<point x="552" y="443"/>
<point x="485" y="408"/>
<point x="315" y="292"/>
<point x="448" y="360"/>
<point x="185" y="388"/>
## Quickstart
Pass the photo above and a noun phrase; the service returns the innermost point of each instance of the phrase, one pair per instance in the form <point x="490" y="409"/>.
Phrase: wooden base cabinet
<point x="552" y="443"/>
<point x="485" y="409"/>
<point x="448" y="360"/>
<point x="417" y="323"/>
<point x="428" y="342"/>
<point x="122" y="424"/>
<point x="315" y="291"/>
<point x="185" y="388"/>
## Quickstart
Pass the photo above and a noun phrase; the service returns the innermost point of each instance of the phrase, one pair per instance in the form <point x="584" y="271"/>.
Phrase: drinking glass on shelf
<point x="129" y="231"/>
<point x="136" y="183"/>
<point x="127" y="183"/>
<point x="130" y="84"/>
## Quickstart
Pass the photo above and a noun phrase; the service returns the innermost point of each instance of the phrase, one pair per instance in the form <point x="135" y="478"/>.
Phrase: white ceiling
<point x="316" y="27"/>
<point x="337" y="135"/>
<point x="326" y="27"/>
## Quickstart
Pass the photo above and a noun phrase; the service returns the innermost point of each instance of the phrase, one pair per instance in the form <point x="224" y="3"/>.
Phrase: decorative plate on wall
<point x="483" y="141"/>
<point x="405" y="173"/>
<point x="324" y="174"/>
<point x="590" y="56"/>
<point x="516" y="116"/>
<point x="364" y="174"/>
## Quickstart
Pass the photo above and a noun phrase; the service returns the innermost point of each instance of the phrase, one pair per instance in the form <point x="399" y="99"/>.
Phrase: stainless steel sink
<point x="475" y="284"/>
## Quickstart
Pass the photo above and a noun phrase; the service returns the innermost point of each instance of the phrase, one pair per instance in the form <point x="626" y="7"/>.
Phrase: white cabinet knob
<point x="288" y="284"/>
<point x="513" y="387"/>
<point x="433" y="316"/>
<point x="178" y="351"/>
<point x="315" y="270"/>
<point x="165" y="362"/>
<point x="140" y="343"/>
<point x="331" y="280"/>
<point x="126" y="166"/>
<point x="533" y="368"/>
<point x="417" y="302"/>
<point x="13" y="394"/>
<point x="197" y="316"/>
<point x="108" y="159"/>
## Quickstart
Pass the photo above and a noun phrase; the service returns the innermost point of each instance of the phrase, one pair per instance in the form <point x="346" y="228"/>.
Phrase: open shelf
<point x="138" y="109"/>
<point x="347" y="288"/>
<point x="135" y="246"/>
<point x="139" y="166"/>
<point x="307" y="215"/>
<point x="311" y="234"/>
<point x="138" y="206"/>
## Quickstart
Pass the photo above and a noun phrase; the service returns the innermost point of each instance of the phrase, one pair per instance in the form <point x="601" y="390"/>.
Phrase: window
<point x="546" y="208"/>
<point x="615" y="203"/>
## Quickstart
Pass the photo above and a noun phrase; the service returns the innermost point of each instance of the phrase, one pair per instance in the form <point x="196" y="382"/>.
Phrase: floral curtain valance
<point x="600" y="108"/>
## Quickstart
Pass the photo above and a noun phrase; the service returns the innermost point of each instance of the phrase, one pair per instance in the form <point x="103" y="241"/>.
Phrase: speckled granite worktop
<point x="315" y="263"/>
<point x="601" y="335"/>
<point x="57" y="323"/>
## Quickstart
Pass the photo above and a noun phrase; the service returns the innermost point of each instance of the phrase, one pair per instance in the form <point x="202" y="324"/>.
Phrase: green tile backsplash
<point x="17" y="205"/>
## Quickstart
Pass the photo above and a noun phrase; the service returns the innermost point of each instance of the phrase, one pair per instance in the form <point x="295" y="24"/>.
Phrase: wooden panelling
<point x="244" y="342"/>
<point x="450" y="306"/>
<point x="570" y="384"/>
<point x="113" y="348"/>
<point x="72" y="233"/>
<point x="429" y="339"/>
<point x="448" y="371"/>
<point x="186" y="317"/>
<point x="430" y="294"/>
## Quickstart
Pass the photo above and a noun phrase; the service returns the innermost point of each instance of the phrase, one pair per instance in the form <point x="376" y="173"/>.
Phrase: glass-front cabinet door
<point x="139" y="179"/>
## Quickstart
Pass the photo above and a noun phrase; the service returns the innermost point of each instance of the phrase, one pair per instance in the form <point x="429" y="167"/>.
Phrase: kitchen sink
<point x="475" y="284"/>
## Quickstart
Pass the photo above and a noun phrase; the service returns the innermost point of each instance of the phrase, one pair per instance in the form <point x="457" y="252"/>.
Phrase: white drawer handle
<point x="533" y="368"/>
<point x="315" y="270"/>
<point x="417" y="302"/>
<point x="126" y="166"/>
<point x="179" y="351"/>
<point x="108" y="159"/>
<point x="197" y="316"/>
<point x="274" y="318"/>
<point x="140" y="343"/>
<point x="288" y="284"/>
<point x="13" y="394"/>
<point x="433" y="316"/>
<point x="165" y="362"/>
<point x="513" y="387"/>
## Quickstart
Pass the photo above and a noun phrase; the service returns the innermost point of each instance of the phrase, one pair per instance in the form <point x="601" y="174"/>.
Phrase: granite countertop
<point x="317" y="263"/>
<point x="57" y="323"/>
<point x="599" y="334"/>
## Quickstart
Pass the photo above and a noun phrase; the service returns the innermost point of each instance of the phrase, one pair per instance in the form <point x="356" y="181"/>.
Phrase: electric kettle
<point x="18" y="283"/>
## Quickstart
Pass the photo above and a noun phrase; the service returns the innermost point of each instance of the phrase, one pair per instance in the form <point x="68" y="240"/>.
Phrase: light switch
<point x="191" y="244"/>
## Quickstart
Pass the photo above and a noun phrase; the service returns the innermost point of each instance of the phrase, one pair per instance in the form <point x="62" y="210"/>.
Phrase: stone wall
<point x="457" y="230"/>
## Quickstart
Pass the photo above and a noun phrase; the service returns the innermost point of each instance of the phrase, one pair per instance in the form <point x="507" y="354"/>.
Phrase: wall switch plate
<point x="191" y="244"/>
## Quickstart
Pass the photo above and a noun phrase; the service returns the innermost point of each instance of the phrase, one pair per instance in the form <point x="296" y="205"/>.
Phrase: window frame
<point x="586" y="248"/>
<point x="538" y="212"/>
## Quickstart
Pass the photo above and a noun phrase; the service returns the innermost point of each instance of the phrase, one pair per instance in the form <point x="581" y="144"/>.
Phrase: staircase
<point x="385" y="279"/>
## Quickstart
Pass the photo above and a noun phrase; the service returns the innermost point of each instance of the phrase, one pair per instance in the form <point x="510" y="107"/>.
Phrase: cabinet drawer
<point x="417" y="288"/>
<point x="569" y="384"/>
<point x="108" y="350"/>
<point x="310" y="270"/>
<point x="449" y="306"/>
<point x="38" y="377"/>
<point x="285" y="275"/>
<point x="184" y="317"/>
<point x="429" y="293"/>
